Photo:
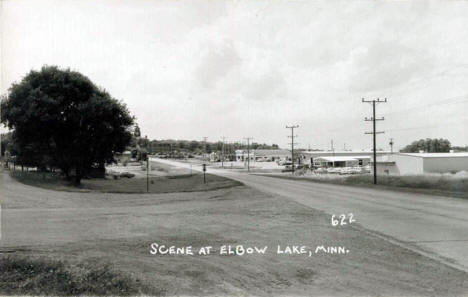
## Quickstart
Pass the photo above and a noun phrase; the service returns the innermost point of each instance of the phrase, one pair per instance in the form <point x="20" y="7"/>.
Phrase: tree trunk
<point x="66" y="172"/>
<point x="78" y="177"/>
<point x="77" y="180"/>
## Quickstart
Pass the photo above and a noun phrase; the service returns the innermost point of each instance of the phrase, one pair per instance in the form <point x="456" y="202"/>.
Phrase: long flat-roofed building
<point x="420" y="163"/>
<point x="263" y="155"/>
<point x="341" y="161"/>
<point x="310" y="156"/>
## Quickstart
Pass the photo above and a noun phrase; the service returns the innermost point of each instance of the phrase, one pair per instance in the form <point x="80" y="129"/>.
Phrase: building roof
<point x="272" y="152"/>
<point x="350" y="153"/>
<point x="436" y="155"/>
<point x="339" y="158"/>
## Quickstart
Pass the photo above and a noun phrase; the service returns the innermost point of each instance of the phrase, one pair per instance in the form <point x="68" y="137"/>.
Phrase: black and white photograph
<point x="234" y="148"/>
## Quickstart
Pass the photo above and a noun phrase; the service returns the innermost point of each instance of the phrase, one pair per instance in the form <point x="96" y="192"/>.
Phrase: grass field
<point x="425" y="184"/>
<point x="158" y="184"/>
<point x="41" y="276"/>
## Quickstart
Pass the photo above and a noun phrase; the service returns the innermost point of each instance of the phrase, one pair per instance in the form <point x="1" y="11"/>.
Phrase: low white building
<point x="243" y="155"/>
<point x="420" y="163"/>
<point x="341" y="161"/>
<point x="262" y="155"/>
<point x="364" y="156"/>
<point x="272" y="155"/>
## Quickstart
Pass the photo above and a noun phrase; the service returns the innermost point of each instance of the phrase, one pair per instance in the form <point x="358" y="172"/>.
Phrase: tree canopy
<point x="60" y="118"/>
<point x="428" y="145"/>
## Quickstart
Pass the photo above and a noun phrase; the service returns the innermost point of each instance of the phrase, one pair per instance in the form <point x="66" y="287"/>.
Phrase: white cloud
<point x="189" y="69"/>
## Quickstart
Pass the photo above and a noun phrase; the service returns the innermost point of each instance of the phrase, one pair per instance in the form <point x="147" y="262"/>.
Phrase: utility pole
<point x="222" y="150"/>
<point x="292" y="143"/>
<point x="374" y="132"/>
<point x="147" y="172"/>
<point x="204" y="142"/>
<point x="391" y="145"/>
<point x="332" y="147"/>
<point x="248" y="152"/>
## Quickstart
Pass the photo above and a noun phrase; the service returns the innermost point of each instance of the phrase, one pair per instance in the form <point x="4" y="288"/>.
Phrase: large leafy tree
<point x="428" y="145"/>
<point x="61" y="119"/>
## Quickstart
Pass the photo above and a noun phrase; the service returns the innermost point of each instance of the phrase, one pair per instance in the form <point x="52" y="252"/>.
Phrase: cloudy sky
<point x="189" y="69"/>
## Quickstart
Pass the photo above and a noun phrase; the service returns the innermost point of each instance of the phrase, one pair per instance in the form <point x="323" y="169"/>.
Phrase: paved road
<point x="435" y="226"/>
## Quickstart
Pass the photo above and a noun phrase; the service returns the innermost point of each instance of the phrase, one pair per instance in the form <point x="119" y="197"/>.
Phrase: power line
<point x="292" y="143"/>
<point x="425" y="127"/>
<point x="204" y="141"/>
<point x="222" y="151"/>
<point x="374" y="132"/>
<point x="403" y="111"/>
<point x="436" y="103"/>
<point x="248" y="152"/>
<point x="413" y="128"/>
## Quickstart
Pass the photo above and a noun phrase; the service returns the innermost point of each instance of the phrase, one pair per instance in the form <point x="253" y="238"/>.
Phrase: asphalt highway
<point x="434" y="226"/>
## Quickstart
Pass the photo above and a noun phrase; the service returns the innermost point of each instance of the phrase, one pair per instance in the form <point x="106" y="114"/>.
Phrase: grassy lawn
<point x="159" y="184"/>
<point x="425" y="184"/>
<point x="41" y="276"/>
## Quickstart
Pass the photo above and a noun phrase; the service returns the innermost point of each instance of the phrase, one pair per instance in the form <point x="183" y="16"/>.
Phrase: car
<point x="333" y="170"/>
<point x="320" y="170"/>
<point x="355" y="170"/>
<point x="284" y="162"/>
<point x="126" y="174"/>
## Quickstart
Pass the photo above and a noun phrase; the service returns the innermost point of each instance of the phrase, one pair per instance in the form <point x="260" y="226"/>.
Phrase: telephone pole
<point x="222" y="151"/>
<point x="248" y="152"/>
<point x="292" y="143"/>
<point x="204" y="142"/>
<point x="391" y="145"/>
<point x="147" y="173"/>
<point x="374" y="132"/>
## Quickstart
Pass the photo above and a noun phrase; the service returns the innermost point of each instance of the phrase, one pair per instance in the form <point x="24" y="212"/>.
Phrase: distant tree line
<point x="460" y="148"/>
<point x="428" y="145"/>
<point x="197" y="147"/>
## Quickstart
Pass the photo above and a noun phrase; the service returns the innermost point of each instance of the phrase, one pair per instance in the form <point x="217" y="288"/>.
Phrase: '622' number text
<point x="342" y="219"/>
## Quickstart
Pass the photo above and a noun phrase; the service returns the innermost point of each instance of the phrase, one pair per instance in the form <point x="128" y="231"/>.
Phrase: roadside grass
<point x="163" y="184"/>
<point x="28" y="276"/>
<point x="424" y="184"/>
<point x="120" y="230"/>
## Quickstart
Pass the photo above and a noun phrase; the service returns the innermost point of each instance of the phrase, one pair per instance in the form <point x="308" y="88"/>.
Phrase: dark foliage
<point x="61" y="119"/>
<point x="428" y="145"/>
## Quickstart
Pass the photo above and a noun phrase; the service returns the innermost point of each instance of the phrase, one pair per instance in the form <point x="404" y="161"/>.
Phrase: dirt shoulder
<point x="117" y="230"/>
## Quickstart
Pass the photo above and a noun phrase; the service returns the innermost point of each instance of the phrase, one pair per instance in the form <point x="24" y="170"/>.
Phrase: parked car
<point x="366" y="169"/>
<point x="127" y="174"/>
<point x="334" y="170"/>
<point x="320" y="170"/>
